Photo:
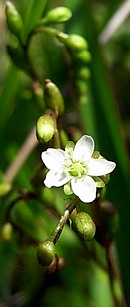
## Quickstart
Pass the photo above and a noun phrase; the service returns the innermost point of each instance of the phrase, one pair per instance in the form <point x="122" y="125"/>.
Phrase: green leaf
<point x="34" y="13"/>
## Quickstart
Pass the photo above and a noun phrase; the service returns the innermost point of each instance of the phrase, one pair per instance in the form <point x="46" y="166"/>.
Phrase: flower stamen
<point x="77" y="169"/>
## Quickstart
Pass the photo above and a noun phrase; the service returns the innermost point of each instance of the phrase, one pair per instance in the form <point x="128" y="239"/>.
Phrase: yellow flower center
<point x="77" y="169"/>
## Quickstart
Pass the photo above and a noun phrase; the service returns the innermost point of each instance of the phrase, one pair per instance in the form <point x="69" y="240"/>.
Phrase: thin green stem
<point x="111" y="259"/>
<point x="60" y="225"/>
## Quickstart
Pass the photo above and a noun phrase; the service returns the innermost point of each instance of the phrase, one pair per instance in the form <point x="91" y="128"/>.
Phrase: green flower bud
<point x="6" y="231"/>
<point x="5" y="188"/>
<point x="83" y="56"/>
<point x="105" y="178"/>
<point x="75" y="42"/>
<point x="53" y="97"/>
<point x="84" y="225"/>
<point x="45" y="128"/>
<point x="83" y="100"/>
<point x="83" y="73"/>
<point x="46" y="253"/>
<point x="14" y="19"/>
<point x="81" y="86"/>
<point x="57" y="15"/>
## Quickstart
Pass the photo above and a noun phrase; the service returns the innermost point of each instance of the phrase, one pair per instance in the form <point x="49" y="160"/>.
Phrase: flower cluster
<point x="77" y="167"/>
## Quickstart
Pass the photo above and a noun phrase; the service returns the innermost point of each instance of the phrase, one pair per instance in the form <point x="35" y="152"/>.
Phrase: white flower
<point x="78" y="166"/>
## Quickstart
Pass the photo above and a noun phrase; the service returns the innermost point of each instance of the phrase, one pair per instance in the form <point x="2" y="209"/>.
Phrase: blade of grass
<point x="34" y="12"/>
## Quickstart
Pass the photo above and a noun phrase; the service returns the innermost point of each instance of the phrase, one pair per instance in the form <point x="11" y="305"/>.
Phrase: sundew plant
<point x="64" y="130"/>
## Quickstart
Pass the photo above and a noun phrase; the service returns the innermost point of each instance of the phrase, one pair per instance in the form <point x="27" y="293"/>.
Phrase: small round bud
<point x="45" y="128"/>
<point x="84" y="225"/>
<point x="53" y="97"/>
<point x="57" y="15"/>
<point x="5" y="188"/>
<point x="83" y="73"/>
<point x="14" y="19"/>
<point x="76" y="42"/>
<point x="83" y="56"/>
<point x="46" y="253"/>
<point x="6" y="231"/>
<point x="81" y="86"/>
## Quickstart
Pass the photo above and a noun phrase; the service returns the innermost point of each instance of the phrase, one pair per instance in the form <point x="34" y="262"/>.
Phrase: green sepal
<point x="96" y="154"/>
<point x="67" y="189"/>
<point x="69" y="147"/>
<point x="99" y="182"/>
<point x="105" y="178"/>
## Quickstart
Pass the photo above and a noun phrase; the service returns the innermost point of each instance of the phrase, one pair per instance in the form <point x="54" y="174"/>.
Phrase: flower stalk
<point x="60" y="225"/>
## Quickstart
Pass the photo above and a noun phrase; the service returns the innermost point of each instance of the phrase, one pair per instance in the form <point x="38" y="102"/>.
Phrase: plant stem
<point x="115" y="280"/>
<point x="59" y="227"/>
<point x="25" y="150"/>
<point x="111" y="259"/>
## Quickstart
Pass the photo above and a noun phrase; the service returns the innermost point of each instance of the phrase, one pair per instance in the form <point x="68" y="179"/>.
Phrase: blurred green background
<point x="106" y="116"/>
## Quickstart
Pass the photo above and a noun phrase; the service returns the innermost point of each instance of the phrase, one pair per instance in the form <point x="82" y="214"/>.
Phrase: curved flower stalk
<point x="78" y="168"/>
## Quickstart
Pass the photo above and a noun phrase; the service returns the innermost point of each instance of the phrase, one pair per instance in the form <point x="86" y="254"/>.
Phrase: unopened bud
<point x="5" y="188"/>
<point x="14" y="19"/>
<point x="75" y="42"/>
<point x="6" y="231"/>
<point x="46" y="253"/>
<point x="83" y="56"/>
<point x="83" y="73"/>
<point x="81" y="86"/>
<point x="53" y="97"/>
<point x="57" y="15"/>
<point x="84" y="225"/>
<point x="45" y="128"/>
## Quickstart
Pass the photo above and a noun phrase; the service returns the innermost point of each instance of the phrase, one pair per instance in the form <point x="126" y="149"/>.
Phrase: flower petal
<point x="84" y="148"/>
<point x="53" y="158"/>
<point x="56" y="178"/>
<point x="84" y="188"/>
<point x="99" y="167"/>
